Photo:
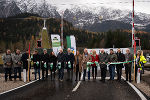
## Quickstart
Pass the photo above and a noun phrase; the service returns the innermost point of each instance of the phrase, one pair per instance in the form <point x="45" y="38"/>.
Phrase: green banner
<point x="68" y="42"/>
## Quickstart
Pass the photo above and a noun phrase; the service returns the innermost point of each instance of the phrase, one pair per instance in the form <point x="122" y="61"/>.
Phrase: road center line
<point x="77" y="86"/>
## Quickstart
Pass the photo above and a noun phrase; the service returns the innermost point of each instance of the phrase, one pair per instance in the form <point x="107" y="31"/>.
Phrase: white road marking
<point x="136" y="90"/>
<point x="20" y="86"/>
<point x="107" y="78"/>
<point x="77" y="86"/>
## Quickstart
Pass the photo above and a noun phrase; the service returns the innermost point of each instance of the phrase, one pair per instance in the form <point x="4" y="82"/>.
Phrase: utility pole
<point x="62" y="46"/>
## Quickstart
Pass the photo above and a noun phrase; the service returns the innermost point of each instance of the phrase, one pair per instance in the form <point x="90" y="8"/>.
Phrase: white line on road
<point x="77" y="86"/>
<point x="136" y="90"/>
<point x="20" y="86"/>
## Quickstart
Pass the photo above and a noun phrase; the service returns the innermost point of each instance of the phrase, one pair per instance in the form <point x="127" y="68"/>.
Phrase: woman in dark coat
<point x="52" y="63"/>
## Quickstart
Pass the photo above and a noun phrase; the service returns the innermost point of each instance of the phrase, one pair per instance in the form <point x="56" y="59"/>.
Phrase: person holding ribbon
<point x="112" y="58"/>
<point x="128" y="66"/>
<point x="60" y="64"/>
<point x="52" y="64"/>
<point x="69" y="64"/>
<point x="17" y="64"/>
<point x="121" y="58"/>
<point x="78" y="65"/>
<point x="95" y="60"/>
<point x="103" y="66"/>
<point x="45" y="60"/>
<point x="86" y="61"/>
<point x="36" y="63"/>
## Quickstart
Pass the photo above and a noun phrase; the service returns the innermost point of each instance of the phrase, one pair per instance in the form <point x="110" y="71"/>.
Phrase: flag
<point x="134" y="47"/>
<point x="71" y="43"/>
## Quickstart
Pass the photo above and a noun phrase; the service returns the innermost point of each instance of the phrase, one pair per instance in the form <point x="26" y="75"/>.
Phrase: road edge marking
<point x="136" y="90"/>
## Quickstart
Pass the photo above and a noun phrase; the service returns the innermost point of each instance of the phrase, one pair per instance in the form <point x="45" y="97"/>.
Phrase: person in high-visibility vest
<point x="140" y="61"/>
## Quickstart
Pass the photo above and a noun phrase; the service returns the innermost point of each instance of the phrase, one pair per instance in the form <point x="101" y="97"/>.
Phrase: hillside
<point x="16" y="32"/>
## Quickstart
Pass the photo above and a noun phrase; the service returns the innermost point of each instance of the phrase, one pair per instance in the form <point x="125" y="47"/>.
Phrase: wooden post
<point x="134" y="58"/>
<point x="29" y="63"/>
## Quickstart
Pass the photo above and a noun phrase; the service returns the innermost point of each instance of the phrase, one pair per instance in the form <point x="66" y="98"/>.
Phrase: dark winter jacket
<point x="44" y="58"/>
<point x="121" y="58"/>
<point x="24" y="58"/>
<point x="53" y="59"/>
<point x="61" y="57"/>
<point x="7" y="58"/>
<point x="70" y="57"/>
<point x="103" y="59"/>
<point x="36" y="58"/>
<point x="16" y="60"/>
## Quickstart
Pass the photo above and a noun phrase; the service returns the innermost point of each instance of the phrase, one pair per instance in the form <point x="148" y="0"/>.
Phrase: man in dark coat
<point x="53" y="62"/>
<point x="24" y="59"/>
<point x="45" y="60"/>
<point x="61" y="60"/>
<point x="69" y="62"/>
<point x="36" y="63"/>
<point x="121" y="58"/>
<point x="103" y="66"/>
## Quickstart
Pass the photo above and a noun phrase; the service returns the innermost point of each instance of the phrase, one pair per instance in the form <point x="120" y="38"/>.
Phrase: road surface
<point x="88" y="90"/>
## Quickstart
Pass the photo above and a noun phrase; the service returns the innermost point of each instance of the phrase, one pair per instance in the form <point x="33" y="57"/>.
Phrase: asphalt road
<point x="88" y="90"/>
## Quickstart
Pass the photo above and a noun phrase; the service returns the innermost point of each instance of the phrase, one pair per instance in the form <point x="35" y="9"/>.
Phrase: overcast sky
<point x="140" y="6"/>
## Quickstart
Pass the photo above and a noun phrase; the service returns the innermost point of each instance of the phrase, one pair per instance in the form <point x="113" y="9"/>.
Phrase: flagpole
<point x="29" y="63"/>
<point x="62" y="30"/>
<point x="133" y="39"/>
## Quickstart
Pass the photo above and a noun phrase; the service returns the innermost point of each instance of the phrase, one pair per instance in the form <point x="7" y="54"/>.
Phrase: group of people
<point x="79" y="63"/>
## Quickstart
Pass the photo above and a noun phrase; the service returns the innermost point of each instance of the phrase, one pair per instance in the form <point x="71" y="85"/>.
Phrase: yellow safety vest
<point x="142" y="59"/>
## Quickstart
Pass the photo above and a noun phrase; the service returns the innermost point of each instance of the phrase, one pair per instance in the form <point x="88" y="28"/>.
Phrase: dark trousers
<point x="7" y="71"/>
<point x="94" y="71"/>
<point x="17" y="69"/>
<point x="61" y="73"/>
<point x="128" y="72"/>
<point x="37" y="70"/>
<point x="119" y="72"/>
<point x="78" y="72"/>
<point x="103" y="72"/>
<point x="84" y="74"/>
<point x="70" y="72"/>
<point x="43" y="72"/>
<point x="52" y="75"/>
<point x="112" y="71"/>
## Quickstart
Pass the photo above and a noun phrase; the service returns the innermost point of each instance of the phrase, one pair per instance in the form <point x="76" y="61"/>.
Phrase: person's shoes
<point x="5" y="80"/>
<point x="67" y="79"/>
<point x="103" y="81"/>
<point x="10" y="79"/>
<point x="110" y="80"/>
<point x="20" y="79"/>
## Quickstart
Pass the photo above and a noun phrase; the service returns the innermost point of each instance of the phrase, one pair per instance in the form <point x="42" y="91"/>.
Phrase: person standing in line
<point x="69" y="63"/>
<point x="44" y="60"/>
<point x="36" y="63"/>
<point x="17" y="64"/>
<point x="121" y="58"/>
<point x="128" y="66"/>
<point x="60" y="64"/>
<point x="52" y="64"/>
<point x="112" y="57"/>
<point x="95" y="60"/>
<point x="7" y="59"/>
<point x="86" y="58"/>
<point x="140" y="61"/>
<point x="24" y="59"/>
<point x="103" y="66"/>
<point x="78" y="65"/>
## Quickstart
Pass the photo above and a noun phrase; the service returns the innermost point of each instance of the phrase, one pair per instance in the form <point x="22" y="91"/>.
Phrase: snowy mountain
<point x="79" y="16"/>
